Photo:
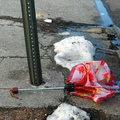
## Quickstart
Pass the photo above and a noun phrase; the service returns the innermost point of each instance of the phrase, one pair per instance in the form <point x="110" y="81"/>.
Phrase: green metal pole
<point x="31" y="40"/>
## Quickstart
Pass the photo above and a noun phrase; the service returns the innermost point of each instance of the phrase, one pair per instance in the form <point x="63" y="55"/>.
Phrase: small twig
<point x="108" y="50"/>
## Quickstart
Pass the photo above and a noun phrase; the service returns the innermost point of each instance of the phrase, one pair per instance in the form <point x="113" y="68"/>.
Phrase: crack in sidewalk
<point x="13" y="57"/>
<point x="1" y="60"/>
<point x="11" y="18"/>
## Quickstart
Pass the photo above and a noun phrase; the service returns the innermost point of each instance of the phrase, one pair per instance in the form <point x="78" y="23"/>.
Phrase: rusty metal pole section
<point x="31" y="40"/>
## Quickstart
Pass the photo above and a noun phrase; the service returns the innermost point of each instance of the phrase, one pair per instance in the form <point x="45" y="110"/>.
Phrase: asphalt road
<point x="113" y="8"/>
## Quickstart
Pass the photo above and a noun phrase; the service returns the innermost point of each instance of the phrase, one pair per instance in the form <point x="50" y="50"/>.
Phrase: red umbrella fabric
<point x="93" y="80"/>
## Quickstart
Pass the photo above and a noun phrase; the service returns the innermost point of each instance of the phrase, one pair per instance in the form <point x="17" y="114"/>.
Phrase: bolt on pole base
<point x="31" y="40"/>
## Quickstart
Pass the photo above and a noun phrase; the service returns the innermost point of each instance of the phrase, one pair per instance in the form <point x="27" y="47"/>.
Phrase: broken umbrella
<point x="92" y="80"/>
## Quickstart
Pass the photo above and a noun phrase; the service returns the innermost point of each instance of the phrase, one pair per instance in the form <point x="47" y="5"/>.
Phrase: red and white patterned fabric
<point x="93" y="80"/>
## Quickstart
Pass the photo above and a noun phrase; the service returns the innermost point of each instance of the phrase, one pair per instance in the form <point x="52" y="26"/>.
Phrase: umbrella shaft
<point x="52" y="88"/>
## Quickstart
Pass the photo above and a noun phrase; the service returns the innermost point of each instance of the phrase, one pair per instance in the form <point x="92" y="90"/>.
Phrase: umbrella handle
<point x="13" y="91"/>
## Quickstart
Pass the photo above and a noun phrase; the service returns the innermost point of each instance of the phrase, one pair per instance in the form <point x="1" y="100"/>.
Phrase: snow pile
<point x="68" y="112"/>
<point x="72" y="51"/>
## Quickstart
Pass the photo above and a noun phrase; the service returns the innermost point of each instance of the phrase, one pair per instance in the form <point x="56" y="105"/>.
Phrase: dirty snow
<point x="68" y="112"/>
<point x="72" y="51"/>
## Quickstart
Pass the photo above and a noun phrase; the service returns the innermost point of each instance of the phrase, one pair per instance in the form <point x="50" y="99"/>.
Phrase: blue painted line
<point x="118" y="83"/>
<point x="103" y="13"/>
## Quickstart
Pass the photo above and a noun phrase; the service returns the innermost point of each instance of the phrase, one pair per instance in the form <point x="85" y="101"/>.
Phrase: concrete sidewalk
<point x="13" y="60"/>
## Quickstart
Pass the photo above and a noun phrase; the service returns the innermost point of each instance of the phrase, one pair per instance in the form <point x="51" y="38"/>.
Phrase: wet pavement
<point x="13" y="59"/>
